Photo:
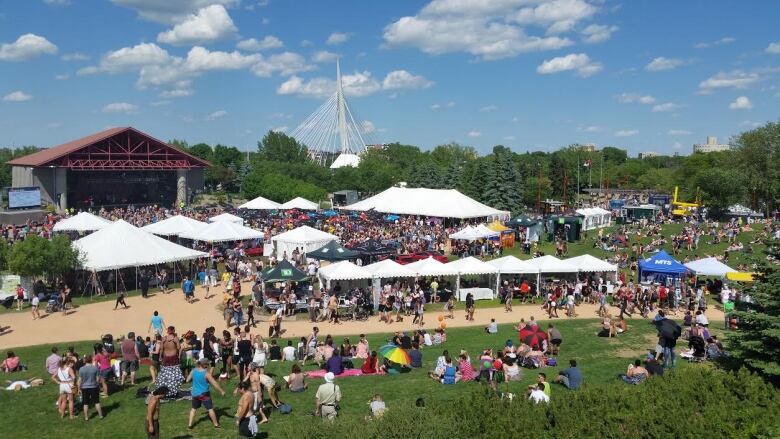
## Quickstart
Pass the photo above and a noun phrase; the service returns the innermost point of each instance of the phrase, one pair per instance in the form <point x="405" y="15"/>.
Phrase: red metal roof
<point x="46" y="156"/>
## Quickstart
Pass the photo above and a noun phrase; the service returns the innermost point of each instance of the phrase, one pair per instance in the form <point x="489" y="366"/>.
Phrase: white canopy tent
<point x="595" y="217"/>
<point x="81" y="222"/>
<point x="174" y="226"/>
<point x="303" y="237"/>
<point x="709" y="267"/>
<point x="591" y="264"/>
<point x="471" y="266"/>
<point x="343" y="270"/>
<point x="300" y="203"/>
<point x="486" y="232"/>
<point x="222" y="231"/>
<point x="443" y="203"/>
<point x="388" y="268"/>
<point x="550" y="264"/>
<point x="227" y="217"/>
<point x="345" y="159"/>
<point x="431" y="267"/>
<point x="467" y="233"/>
<point x="260" y="203"/>
<point x="122" y="245"/>
<point x="512" y="265"/>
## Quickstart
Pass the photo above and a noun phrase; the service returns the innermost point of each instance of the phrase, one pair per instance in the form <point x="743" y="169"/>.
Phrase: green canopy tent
<point x="333" y="251"/>
<point x="283" y="272"/>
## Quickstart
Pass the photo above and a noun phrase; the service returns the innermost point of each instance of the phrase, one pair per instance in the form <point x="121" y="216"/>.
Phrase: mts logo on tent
<point x="661" y="262"/>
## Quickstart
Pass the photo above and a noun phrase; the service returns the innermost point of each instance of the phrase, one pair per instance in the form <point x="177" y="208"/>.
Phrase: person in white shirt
<point x="288" y="353"/>
<point x="538" y="395"/>
<point x="701" y="319"/>
<point x="492" y="328"/>
<point x="427" y="340"/>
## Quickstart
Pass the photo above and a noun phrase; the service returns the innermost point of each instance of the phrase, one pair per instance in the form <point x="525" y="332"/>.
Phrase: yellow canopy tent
<point x="497" y="227"/>
<point x="740" y="276"/>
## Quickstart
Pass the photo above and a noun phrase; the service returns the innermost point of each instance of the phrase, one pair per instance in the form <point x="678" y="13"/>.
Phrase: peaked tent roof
<point x="467" y="233"/>
<point x="443" y="203"/>
<point x="222" y="231"/>
<point x="588" y="263"/>
<point x="709" y="267"/>
<point x="472" y="265"/>
<point x="431" y="267"/>
<point x="662" y="262"/>
<point x="226" y="217"/>
<point x="284" y="271"/>
<point x="372" y="247"/>
<point x="551" y="264"/>
<point x="260" y="203"/>
<point x="81" y="222"/>
<point x="174" y="226"/>
<point x="486" y="232"/>
<point x="345" y="159"/>
<point x="44" y="157"/>
<point x="511" y="264"/>
<point x="304" y="234"/>
<point x="333" y="251"/>
<point x="121" y="245"/>
<point x="299" y="203"/>
<point x="344" y="270"/>
<point x="387" y="268"/>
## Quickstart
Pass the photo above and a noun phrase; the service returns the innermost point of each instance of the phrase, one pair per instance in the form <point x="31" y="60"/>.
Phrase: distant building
<point x="588" y="147"/>
<point x="644" y="155"/>
<point x="712" y="145"/>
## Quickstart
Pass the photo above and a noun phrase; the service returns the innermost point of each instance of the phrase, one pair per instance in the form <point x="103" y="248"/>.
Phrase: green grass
<point x="31" y="413"/>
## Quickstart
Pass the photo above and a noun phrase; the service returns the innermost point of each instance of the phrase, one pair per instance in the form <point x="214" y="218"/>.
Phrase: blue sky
<point x="529" y="74"/>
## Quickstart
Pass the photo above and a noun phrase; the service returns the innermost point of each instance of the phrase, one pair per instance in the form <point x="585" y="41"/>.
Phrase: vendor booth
<point x="303" y="238"/>
<point x="343" y="271"/>
<point x="709" y="267"/>
<point x="174" y="226"/>
<point x="385" y="269"/>
<point x="333" y="251"/>
<point x="222" y="231"/>
<point x="472" y="266"/>
<point x="550" y="265"/>
<point x="300" y="204"/>
<point x="592" y="264"/>
<point x="531" y="229"/>
<point x="81" y="222"/>
<point x="227" y="217"/>
<point x="566" y="227"/>
<point x="260" y="203"/>
<point x="277" y="276"/>
<point x="512" y="266"/>
<point x="507" y="234"/>
<point x="661" y="268"/>
<point x="595" y="218"/>
<point x="643" y="211"/>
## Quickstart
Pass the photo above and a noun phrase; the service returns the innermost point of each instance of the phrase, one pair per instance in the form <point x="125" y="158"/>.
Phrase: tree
<point x="453" y="152"/>
<point x="721" y="187"/>
<point x="36" y="256"/>
<point x="279" y="147"/>
<point x="202" y="150"/>
<point x="227" y="156"/>
<point x="614" y="155"/>
<point x="756" y="343"/>
<point x="503" y="189"/>
<point x="279" y="187"/>
<point x="757" y="154"/>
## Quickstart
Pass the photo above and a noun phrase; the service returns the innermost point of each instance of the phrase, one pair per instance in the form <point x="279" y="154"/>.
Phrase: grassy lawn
<point x="31" y="413"/>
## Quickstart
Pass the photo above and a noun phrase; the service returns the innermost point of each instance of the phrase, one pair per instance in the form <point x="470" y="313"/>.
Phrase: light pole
<point x="54" y="198"/>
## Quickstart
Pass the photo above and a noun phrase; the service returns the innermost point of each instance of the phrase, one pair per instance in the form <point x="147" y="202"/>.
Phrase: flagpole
<point x="577" y="195"/>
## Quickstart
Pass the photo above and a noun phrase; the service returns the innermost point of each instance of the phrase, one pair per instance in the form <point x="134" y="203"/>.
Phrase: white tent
<point x="174" y="226"/>
<point x="227" y="217"/>
<point x="300" y="203"/>
<point x="513" y="265"/>
<point x="81" y="222"/>
<point x="551" y="264"/>
<point x="431" y="267"/>
<point x="595" y="218"/>
<point x="303" y="237"/>
<point x="344" y="159"/>
<point x="260" y="203"/>
<point x="222" y="231"/>
<point x="443" y="203"/>
<point x="591" y="264"/>
<point x="388" y="268"/>
<point x="709" y="267"/>
<point x="486" y="232"/>
<point x="343" y="270"/>
<point x="467" y="233"/>
<point x="123" y="245"/>
<point x="472" y="265"/>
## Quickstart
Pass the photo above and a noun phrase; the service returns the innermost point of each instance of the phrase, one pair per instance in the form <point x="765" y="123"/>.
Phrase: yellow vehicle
<point x="681" y="208"/>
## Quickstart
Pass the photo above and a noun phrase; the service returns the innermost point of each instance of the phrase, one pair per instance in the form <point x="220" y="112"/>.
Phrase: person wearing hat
<point x="201" y="380"/>
<point x="328" y="396"/>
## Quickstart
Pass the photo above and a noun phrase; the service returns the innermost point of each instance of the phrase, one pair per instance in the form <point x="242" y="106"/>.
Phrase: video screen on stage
<point x="19" y="197"/>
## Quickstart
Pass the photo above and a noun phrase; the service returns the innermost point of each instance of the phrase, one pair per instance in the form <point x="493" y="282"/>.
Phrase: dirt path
<point x="89" y="322"/>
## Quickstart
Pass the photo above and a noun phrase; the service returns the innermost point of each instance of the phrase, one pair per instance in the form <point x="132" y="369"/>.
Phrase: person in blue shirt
<point x="157" y="323"/>
<point x="335" y="364"/>
<point x="188" y="286"/>
<point x="416" y="356"/>
<point x="571" y="378"/>
<point x="201" y="378"/>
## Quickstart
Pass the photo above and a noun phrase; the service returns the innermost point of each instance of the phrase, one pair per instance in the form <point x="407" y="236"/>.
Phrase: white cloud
<point x="592" y="129"/>
<point x="367" y="127"/>
<point x="474" y="134"/>
<point x="253" y="45"/>
<point x="635" y="98"/>
<point x="200" y="59"/>
<point x="285" y="63"/>
<point x="663" y="63"/>
<point x="216" y="115"/>
<point x="579" y="62"/>
<point x="120" y="107"/>
<point x="170" y="11"/>
<point x="306" y="43"/>
<point x="337" y="38"/>
<point x="129" y="59"/>
<point x="17" y="96"/>
<point x="323" y="56"/>
<point x="665" y="107"/>
<point x="26" y="47"/>
<point x="773" y="48"/>
<point x="160" y="103"/>
<point x="720" y="42"/>
<point x="489" y="108"/>
<point x="75" y="56"/>
<point x="403" y="80"/>
<point x="177" y="93"/>
<point x="741" y="103"/>
<point x="733" y="79"/>
<point x="626" y="133"/>
<point x="438" y="106"/>
<point x="597" y="33"/>
<point x="280" y="129"/>
<point x="489" y="30"/>
<point x="678" y="133"/>
<point x="208" y="24"/>
<point x="61" y="77"/>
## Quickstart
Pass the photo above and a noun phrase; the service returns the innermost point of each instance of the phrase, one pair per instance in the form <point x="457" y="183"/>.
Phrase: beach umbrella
<point x="330" y="213"/>
<point x="395" y="354"/>
<point x="532" y="336"/>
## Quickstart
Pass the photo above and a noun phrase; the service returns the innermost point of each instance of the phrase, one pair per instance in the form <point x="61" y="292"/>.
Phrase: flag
<point x="588" y="163"/>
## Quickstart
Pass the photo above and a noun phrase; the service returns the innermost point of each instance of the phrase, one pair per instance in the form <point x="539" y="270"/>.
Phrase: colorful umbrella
<point x="395" y="354"/>
<point x="532" y="336"/>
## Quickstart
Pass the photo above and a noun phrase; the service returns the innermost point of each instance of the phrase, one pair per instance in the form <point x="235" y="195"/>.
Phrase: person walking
<point x="327" y="397"/>
<point x="35" y="302"/>
<point x="157" y="324"/>
<point x="469" y="307"/>
<point x="20" y="293"/>
<point x="153" y="413"/>
<point x="201" y="396"/>
<point x="130" y="359"/>
<point x="188" y="287"/>
<point x="89" y="385"/>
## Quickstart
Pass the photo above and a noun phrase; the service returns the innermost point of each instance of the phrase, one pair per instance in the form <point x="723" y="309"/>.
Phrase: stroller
<point x="53" y="304"/>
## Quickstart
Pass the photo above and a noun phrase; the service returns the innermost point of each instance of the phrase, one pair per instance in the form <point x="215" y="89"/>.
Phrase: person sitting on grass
<point x="511" y="370"/>
<point x="635" y="373"/>
<point x="296" y="380"/>
<point x="450" y="374"/>
<point x="466" y="369"/>
<point x="11" y="363"/>
<point x="377" y="406"/>
<point x="492" y="327"/>
<point x="538" y="395"/>
<point x="571" y="378"/>
<point x="416" y="356"/>
<point x="370" y="364"/>
<point x="335" y="363"/>
<point x="621" y="326"/>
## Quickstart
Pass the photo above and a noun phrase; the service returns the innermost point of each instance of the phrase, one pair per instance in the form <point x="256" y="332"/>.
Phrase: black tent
<point x="282" y="272"/>
<point x="333" y="251"/>
<point x="522" y="221"/>
<point x="372" y="247"/>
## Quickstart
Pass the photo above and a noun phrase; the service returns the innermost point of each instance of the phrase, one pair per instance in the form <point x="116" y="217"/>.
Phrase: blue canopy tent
<point x="659" y="267"/>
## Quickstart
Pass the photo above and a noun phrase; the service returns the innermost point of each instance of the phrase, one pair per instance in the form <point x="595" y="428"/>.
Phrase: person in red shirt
<point x="19" y="297"/>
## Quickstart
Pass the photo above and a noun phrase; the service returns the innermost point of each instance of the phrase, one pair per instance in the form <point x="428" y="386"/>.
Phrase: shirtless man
<point x="245" y="419"/>
<point x="169" y="355"/>
<point x="256" y="388"/>
<point x="270" y="385"/>
<point x="153" y="413"/>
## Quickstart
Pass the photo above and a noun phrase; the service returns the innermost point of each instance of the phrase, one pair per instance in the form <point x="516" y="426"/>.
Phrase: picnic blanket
<point x="320" y="373"/>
